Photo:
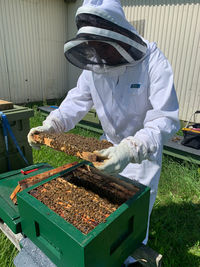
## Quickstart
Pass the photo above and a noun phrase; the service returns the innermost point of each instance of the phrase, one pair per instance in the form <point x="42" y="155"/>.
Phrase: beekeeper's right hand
<point x="50" y="125"/>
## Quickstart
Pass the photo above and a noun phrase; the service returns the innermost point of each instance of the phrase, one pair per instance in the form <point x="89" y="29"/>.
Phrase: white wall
<point x="73" y="72"/>
<point x="32" y="36"/>
<point x="175" y="26"/>
<point x="33" y="32"/>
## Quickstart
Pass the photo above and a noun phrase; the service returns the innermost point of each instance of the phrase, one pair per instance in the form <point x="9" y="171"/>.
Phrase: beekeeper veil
<point x="105" y="39"/>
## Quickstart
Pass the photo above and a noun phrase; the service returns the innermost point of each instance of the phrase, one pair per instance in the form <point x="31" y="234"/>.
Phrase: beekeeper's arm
<point x="73" y="108"/>
<point x="160" y="124"/>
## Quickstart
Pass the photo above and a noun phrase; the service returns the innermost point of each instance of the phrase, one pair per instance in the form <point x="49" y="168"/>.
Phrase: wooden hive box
<point x="107" y="244"/>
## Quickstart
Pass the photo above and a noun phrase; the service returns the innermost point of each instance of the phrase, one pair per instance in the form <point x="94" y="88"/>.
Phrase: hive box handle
<point x="123" y="236"/>
<point x="46" y="242"/>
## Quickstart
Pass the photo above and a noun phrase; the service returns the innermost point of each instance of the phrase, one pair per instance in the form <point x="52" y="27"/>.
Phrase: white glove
<point x="130" y="150"/>
<point x="140" y="150"/>
<point x="50" y="125"/>
<point x="118" y="158"/>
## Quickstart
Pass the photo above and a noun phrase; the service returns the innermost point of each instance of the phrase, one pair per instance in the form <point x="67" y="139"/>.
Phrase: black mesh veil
<point x="83" y="20"/>
<point x="103" y="43"/>
<point x="94" y="52"/>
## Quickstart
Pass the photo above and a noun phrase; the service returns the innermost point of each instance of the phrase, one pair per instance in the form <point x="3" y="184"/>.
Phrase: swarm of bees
<point x="83" y="198"/>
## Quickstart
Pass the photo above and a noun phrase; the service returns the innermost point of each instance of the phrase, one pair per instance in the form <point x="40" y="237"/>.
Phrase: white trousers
<point x="147" y="173"/>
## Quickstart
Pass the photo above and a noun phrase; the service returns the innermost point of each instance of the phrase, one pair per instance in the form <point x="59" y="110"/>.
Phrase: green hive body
<point x="106" y="245"/>
<point x="18" y="118"/>
<point x="9" y="212"/>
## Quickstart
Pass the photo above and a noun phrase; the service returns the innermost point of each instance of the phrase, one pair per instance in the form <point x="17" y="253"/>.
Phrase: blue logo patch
<point x="135" y="85"/>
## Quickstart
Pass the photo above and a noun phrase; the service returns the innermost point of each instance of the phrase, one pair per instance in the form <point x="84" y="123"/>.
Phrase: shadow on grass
<point x="175" y="233"/>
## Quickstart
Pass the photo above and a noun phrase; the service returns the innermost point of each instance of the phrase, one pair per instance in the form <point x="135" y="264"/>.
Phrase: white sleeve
<point x="75" y="106"/>
<point x="162" y="121"/>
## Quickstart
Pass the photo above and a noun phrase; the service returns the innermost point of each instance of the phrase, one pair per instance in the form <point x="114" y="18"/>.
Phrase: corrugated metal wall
<point x="73" y="71"/>
<point x="175" y="27"/>
<point x="32" y="35"/>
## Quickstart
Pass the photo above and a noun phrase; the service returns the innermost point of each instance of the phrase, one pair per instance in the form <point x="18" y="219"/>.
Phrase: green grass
<point x="7" y="251"/>
<point x="175" y="219"/>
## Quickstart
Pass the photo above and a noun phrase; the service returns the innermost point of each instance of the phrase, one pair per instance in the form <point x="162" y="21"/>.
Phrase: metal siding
<point x="73" y="72"/>
<point x="34" y="32"/>
<point x="4" y="80"/>
<point x="174" y="26"/>
<point x="53" y="34"/>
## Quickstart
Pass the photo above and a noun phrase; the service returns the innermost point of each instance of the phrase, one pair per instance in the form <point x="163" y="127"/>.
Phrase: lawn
<point x="175" y="219"/>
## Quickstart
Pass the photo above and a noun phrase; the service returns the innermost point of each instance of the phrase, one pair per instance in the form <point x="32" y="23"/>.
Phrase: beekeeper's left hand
<point x="118" y="157"/>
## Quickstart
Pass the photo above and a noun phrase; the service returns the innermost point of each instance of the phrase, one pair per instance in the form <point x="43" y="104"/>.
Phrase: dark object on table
<point x="191" y="133"/>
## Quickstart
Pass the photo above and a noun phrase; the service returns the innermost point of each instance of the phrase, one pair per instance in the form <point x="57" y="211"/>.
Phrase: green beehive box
<point x="9" y="212"/>
<point x="108" y="244"/>
<point x="91" y="122"/>
<point x="18" y="118"/>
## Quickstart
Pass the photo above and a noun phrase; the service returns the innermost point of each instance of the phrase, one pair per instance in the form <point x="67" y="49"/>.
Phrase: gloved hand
<point x="118" y="157"/>
<point x="130" y="150"/>
<point x="50" y="125"/>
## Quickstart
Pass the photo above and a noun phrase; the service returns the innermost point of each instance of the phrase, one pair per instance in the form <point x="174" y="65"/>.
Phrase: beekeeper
<point x="130" y="83"/>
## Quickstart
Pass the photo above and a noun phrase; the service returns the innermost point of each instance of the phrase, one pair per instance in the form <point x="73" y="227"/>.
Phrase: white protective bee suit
<point x="134" y="98"/>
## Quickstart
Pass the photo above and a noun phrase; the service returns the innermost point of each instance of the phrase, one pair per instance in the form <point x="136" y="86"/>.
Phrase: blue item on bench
<point x="7" y="129"/>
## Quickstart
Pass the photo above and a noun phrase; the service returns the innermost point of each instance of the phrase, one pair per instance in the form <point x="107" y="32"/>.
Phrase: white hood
<point x="105" y="39"/>
<point x="108" y="9"/>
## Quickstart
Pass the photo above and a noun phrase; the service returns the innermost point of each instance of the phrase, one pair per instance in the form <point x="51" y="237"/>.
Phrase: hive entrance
<point x="84" y="197"/>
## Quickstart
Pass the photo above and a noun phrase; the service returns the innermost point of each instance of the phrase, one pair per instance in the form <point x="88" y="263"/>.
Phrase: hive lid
<point x="9" y="212"/>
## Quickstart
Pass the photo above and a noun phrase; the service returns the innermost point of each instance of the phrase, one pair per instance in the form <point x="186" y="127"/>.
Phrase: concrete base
<point x="31" y="256"/>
